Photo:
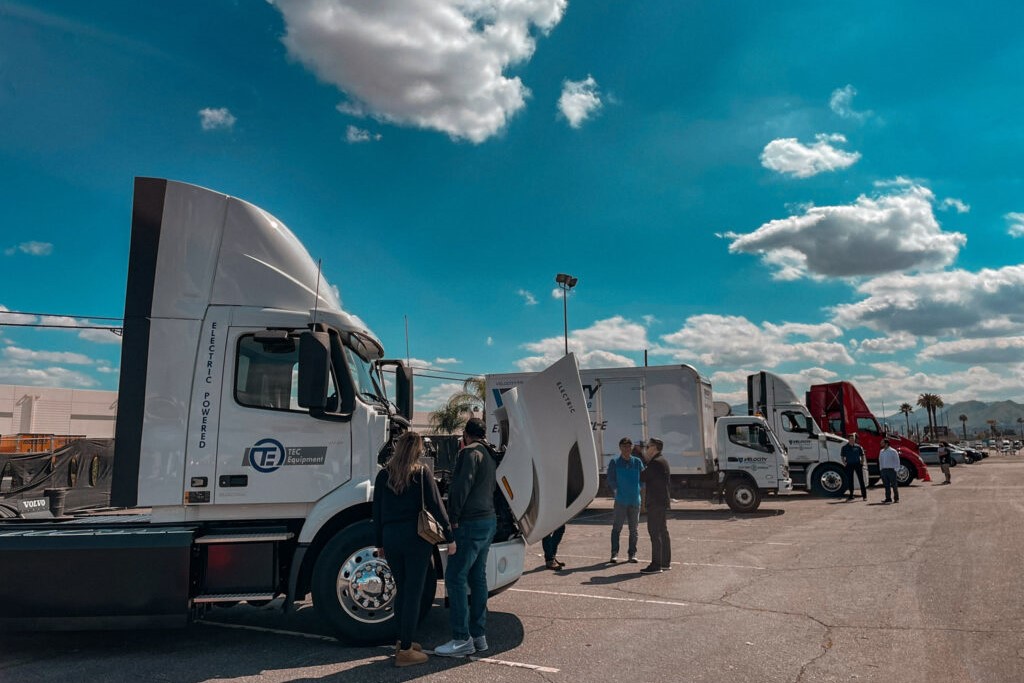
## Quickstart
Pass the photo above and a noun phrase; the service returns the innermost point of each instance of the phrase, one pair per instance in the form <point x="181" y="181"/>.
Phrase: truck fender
<point x="330" y="505"/>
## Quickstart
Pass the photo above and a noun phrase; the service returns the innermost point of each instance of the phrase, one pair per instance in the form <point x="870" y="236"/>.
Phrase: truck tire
<point x="354" y="590"/>
<point x="905" y="474"/>
<point x="829" y="480"/>
<point x="742" y="495"/>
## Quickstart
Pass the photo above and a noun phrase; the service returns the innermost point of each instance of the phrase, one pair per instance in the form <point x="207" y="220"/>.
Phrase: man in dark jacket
<point x="472" y="515"/>
<point x="853" y="459"/>
<point x="656" y="478"/>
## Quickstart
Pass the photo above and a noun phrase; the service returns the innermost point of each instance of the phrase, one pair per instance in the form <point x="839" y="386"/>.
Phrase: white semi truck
<point x="735" y="459"/>
<point x="814" y="456"/>
<point x="252" y="423"/>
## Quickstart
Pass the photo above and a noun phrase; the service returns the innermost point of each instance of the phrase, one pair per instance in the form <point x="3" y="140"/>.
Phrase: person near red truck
<point x="656" y="477"/>
<point x="853" y="459"/>
<point x="888" y="463"/>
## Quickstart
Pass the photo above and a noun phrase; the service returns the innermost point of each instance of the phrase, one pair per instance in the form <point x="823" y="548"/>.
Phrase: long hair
<point x="403" y="463"/>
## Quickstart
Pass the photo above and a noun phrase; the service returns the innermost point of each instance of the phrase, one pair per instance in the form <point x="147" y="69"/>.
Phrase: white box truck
<point x="252" y="424"/>
<point x="735" y="459"/>
<point x="814" y="456"/>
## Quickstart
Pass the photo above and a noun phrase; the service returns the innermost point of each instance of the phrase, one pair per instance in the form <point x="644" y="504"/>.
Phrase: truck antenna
<point x="316" y="295"/>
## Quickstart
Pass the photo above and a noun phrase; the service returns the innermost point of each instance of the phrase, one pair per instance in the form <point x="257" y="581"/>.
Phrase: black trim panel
<point x="147" y="217"/>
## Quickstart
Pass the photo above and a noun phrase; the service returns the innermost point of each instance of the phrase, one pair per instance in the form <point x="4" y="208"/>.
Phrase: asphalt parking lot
<point x="807" y="589"/>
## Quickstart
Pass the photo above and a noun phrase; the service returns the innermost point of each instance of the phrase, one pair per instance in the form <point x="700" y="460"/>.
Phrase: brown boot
<point x="415" y="646"/>
<point x="410" y="657"/>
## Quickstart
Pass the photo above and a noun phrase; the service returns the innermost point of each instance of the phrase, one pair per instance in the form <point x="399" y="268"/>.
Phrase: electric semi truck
<point x="252" y="421"/>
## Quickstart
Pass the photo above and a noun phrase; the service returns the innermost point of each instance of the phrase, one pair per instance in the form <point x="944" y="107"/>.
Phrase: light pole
<point x="565" y="283"/>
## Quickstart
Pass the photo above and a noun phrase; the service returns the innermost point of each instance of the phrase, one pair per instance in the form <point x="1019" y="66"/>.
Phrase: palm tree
<point x="474" y="392"/>
<point x="963" y="419"/>
<point x="907" y="409"/>
<point x="931" y="403"/>
<point x="449" y="418"/>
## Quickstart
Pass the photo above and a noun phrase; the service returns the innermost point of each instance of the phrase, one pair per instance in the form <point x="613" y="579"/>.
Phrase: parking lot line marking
<point x="601" y="597"/>
<point x="317" y="636"/>
<point x="682" y="564"/>
<point x="264" y="629"/>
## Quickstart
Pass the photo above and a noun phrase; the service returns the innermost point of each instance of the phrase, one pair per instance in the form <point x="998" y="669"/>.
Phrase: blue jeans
<point x="890" y="481"/>
<point x="631" y="515"/>
<point x="467" y="570"/>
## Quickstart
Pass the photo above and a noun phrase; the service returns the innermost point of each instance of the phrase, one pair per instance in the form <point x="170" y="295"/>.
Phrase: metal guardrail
<point x="36" y="443"/>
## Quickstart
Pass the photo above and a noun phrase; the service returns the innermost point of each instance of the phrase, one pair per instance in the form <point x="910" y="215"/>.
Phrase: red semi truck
<point x="838" y="407"/>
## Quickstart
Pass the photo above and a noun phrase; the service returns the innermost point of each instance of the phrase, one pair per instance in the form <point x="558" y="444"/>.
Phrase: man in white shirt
<point x="888" y="463"/>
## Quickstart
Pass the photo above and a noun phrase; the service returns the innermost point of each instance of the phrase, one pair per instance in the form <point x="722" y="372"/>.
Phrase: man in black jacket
<point x="853" y="459"/>
<point x="656" y="477"/>
<point x="472" y="515"/>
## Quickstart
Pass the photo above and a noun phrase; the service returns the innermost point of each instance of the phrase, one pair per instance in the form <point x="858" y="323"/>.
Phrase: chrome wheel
<point x="366" y="587"/>
<point x="903" y="475"/>
<point x="831" y="481"/>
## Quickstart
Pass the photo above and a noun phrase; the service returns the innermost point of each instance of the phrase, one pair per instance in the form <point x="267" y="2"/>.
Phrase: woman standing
<point x="401" y="489"/>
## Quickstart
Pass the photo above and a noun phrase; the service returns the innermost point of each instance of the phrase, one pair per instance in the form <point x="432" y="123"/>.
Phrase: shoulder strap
<point x="423" y="498"/>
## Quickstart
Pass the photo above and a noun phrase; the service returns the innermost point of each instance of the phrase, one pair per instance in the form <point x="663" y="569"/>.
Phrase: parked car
<point x="930" y="454"/>
<point x="976" y="454"/>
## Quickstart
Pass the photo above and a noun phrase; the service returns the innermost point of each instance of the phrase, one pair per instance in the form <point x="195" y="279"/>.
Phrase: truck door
<point x="549" y="472"/>
<point x="616" y="410"/>
<point x="269" y="450"/>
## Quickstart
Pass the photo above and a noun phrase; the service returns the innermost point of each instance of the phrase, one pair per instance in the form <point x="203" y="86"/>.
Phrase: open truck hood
<point x="549" y="473"/>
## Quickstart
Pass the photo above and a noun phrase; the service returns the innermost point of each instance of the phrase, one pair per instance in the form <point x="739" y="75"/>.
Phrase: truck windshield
<point x="363" y="376"/>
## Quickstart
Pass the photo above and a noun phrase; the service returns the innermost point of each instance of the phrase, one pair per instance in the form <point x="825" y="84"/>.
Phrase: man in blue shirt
<point x="624" y="482"/>
<point x="853" y="458"/>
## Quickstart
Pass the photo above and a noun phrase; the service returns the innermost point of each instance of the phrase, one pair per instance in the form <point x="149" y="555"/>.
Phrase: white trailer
<point x="252" y="424"/>
<point x="735" y="459"/>
<point x="814" y="456"/>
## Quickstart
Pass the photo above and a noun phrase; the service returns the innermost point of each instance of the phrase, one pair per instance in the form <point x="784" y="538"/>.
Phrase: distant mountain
<point x="1005" y="413"/>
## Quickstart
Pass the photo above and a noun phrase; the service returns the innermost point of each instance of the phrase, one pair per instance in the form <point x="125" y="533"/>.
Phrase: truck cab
<point x="839" y="407"/>
<point x="253" y="420"/>
<point x="815" y="462"/>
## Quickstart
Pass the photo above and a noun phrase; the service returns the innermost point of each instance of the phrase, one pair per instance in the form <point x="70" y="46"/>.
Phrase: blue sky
<point x="830" y="191"/>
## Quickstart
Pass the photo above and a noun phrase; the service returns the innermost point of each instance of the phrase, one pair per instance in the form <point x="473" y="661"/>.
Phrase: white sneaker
<point x="455" y="648"/>
<point x="480" y="643"/>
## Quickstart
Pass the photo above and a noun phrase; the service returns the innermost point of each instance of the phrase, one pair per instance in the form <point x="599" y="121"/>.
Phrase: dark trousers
<point x="661" y="544"/>
<point x="550" y="543"/>
<point x="852" y="470"/>
<point x="890" y="481"/>
<point x="408" y="555"/>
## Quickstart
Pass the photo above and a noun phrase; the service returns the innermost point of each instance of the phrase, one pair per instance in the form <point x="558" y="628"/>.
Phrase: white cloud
<point x="731" y="385"/>
<point x="998" y="350"/>
<point x="528" y="298"/>
<point x="841" y="102"/>
<point x="490" y="341"/>
<point x="901" y="341"/>
<point x="579" y="100"/>
<point x="437" y="396"/>
<point x="594" y="345"/>
<point x="730" y="341"/>
<point x="717" y="340"/>
<point x="446" y="361"/>
<point x="45" y="377"/>
<point x="216" y="119"/>
<point x="987" y="303"/>
<point x="953" y="203"/>
<point x="20" y="355"/>
<point x="16" y="318"/>
<point x="100" y="336"/>
<point x="32" y="248"/>
<point x="874" y="235"/>
<point x="1016" y="221"/>
<point x="355" y="135"/>
<point x="893" y="384"/>
<point x="789" y="155"/>
<point x="108" y="370"/>
<point x="435" y="64"/>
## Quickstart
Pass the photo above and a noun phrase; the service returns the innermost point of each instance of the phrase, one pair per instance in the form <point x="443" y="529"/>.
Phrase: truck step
<point x="232" y="597"/>
<point x="262" y="537"/>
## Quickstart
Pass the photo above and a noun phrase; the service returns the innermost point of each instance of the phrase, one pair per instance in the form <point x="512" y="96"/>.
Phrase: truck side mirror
<point x="403" y="391"/>
<point x="314" y="369"/>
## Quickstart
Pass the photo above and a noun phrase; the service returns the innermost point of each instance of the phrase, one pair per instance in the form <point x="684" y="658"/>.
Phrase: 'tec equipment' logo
<point x="266" y="455"/>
